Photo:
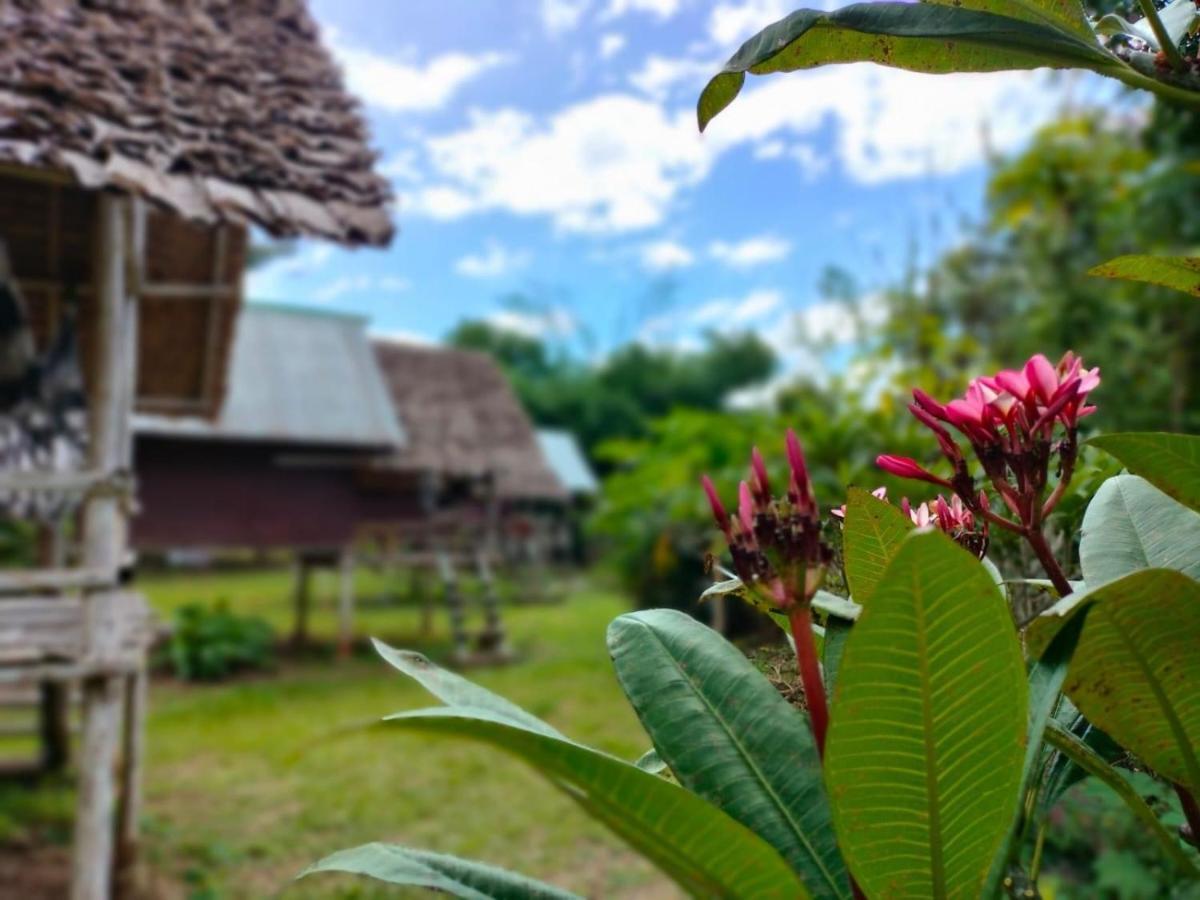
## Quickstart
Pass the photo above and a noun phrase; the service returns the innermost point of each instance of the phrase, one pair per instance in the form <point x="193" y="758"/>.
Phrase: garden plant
<point x="937" y="732"/>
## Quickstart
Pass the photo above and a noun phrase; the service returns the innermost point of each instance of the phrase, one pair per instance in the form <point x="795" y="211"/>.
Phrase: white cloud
<point x="660" y="9"/>
<point x="550" y="323"/>
<point x="611" y="44"/>
<point x="659" y="75"/>
<point x="662" y="256"/>
<point x="617" y="163"/>
<point x="359" y="284"/>
<point x="398" y="84"/>
<point x="754" y="251"/>
<point x="679" y="328"/>
<point x="608" y="164"/>
<point x="494" y="261"/>
<point x="729" y="24"/>
<point x="559" y="16"/>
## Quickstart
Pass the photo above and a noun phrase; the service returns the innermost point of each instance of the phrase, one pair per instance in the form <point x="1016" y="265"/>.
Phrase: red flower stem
<point x="800" y="618"/>
<point x="1191" y="812"/>
<point x="1037" y="541"/>
<point x="1000" y="521"/>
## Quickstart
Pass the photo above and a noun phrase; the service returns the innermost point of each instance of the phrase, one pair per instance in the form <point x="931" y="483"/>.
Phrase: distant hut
<point x="276" y="469"/>
<point x="137" y="141"/>
<point x="473" y="460"/>
<point x="573" y="471"/>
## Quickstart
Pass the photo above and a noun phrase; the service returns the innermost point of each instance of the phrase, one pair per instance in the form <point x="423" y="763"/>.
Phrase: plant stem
<point x="1058" y="578"/>
<point x="809" y="668"/>
<point x="1191" y="812"/>
<point x="1166" y="45"/>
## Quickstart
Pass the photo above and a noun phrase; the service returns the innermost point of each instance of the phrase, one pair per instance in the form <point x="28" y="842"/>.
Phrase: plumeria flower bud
<point x="775" y="542"/>
<point x="903" y="467"/>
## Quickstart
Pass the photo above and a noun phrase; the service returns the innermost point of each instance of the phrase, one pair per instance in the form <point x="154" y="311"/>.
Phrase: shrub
<point x="211" y="643"/>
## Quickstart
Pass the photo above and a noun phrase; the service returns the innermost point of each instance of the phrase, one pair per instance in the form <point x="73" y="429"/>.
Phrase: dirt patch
<point x="32" y="871"/>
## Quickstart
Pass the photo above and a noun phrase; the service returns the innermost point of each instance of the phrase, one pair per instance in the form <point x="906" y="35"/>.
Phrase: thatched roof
<point x="223" y="110"/>
<point x="298" y="377"/>
<point x="462" y="419"/>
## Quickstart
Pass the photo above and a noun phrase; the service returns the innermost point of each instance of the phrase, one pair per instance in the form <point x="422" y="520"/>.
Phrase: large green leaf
<point x="1074" y="748"/>
<point x="1131" y="525"/>
<point x="700" y="847"/>
<point x="1182" y="273"/>
<point x="454" y="690"/>
<point x="920" y="37"/>
<point x="730" y="737"/>
<point x="1065" y="15"/>
<point x="925" y="748"/>
<point x="1170" y="462"/>
<point x="873" y="532"/>
<point x="436" y="871"/>
<point x="1136" y="672"/>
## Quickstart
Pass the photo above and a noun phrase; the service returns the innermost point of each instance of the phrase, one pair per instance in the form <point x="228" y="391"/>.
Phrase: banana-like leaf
<point x="873" y="532"/>
<point x="1087" y="759"/>
<point x="1180" y="273"/>
<point x="730" y="737"/>
<point x="1170" y="462"/>
<point x="924" y="755"/>
<point x="436" y="871"/>
<point x="921" y="37"/>
<point x="1136" y="671"/>
<point x="705" y="851"/>
<point x="1131" y="525"/>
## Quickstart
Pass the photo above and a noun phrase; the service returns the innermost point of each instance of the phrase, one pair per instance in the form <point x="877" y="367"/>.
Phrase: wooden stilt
<point x="302" y="599"/>
<point x="129" y="811"/>
<point x="455" y="606"/>
<point x="345" y="603"/>
<point x="493" y="639"/>
<point x="104" y="542"/>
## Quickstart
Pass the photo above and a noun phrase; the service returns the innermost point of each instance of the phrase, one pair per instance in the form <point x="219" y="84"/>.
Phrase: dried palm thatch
<point x="462" y="420"/>
<point x="222" y="110"/>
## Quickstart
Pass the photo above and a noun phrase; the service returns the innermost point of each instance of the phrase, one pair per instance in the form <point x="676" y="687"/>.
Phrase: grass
<point x="249" y="781"/>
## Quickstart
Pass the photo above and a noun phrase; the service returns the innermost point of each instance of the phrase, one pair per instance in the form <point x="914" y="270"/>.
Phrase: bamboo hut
<point x="276" y="469"/>
<point x="137" y="143"/>
<point x="473" y="463"/>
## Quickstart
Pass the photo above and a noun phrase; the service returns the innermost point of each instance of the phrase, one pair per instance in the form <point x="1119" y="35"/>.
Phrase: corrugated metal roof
<point x="300" y="376"/>
<point x="567" y="461"/>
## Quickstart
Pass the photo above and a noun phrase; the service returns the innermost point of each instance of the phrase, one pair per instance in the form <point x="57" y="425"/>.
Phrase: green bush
<point x="211" y="643"/>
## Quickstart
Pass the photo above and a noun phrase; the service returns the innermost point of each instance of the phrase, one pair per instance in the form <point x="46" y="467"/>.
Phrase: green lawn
<point x="248" y="781"/>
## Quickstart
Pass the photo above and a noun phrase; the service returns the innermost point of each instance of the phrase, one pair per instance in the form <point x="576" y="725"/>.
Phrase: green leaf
<point x="837" y="631"/>
<point x="454" y="690"/>
<point x="1131" y="525"/>
<point x="1136" y="673"/>
<point x="925" y="747"/>
<point x="1181" y="273"/>
<point x="1067" y="16"/>
<point x="1092" y="763"/>
<point x="920" y="37"/>
<point x="730" y="737"/>
<point x="873" y="532"/>
<point x="651" y="762"/>
<point x="1046" y="677"/>
<point x="1170" y="462"/>
<point x="701" y="848"/>
<point x="436" y="871"/>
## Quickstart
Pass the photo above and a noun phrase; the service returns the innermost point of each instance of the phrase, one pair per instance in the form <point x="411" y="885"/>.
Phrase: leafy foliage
<point x="211" y="643"/>
<point x="1170" y="462"/>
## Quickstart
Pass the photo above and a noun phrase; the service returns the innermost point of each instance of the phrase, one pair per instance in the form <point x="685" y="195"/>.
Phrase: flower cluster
<point x="1016" y="422"/>
<point x="951" y="516"/>
<point x="775" y="542"/>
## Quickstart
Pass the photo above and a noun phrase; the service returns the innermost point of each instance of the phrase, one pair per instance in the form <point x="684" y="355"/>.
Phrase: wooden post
<point x="455" y="606"/>
<point x="54" y="707"/>
<point x="493" y="638"/>
<point x="104" y="542"/>
<point x="129" y="813"/>
<point x="302" y="599"/>
<point x="345" y="603"/>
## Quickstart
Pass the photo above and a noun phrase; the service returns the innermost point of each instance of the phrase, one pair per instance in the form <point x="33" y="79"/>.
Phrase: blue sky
<point x="547" y="149"/>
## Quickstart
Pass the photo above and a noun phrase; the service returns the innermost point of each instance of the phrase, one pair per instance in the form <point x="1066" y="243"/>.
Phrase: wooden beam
<point x="23" y="581"/>
<point x="133" y="751"/>
<point x="345" y="603"/>
<point x="104" y="543"/>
